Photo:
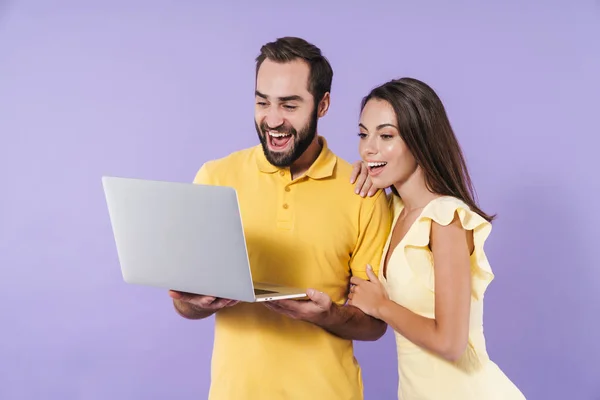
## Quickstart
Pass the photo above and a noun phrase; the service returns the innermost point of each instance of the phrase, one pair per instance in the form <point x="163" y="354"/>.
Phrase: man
<point x="305" y="227"/>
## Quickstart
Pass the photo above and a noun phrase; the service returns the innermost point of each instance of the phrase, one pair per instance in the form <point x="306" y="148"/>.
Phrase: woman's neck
<point x="414" y="191"/>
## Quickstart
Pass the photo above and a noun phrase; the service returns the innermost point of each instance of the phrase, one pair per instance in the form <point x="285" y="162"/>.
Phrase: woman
<point x="434" y="270"/>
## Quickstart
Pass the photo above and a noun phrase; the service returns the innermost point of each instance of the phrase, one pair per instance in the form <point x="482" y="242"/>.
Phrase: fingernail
<point x="310" y="292"/>
<point x="369" y="267"/>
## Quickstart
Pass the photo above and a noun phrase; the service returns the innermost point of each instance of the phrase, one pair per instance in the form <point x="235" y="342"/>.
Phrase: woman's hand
<point x="369" y="296"/>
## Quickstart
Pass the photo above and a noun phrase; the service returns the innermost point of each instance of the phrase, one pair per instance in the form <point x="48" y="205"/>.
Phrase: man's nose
<point x="274" y="119"/>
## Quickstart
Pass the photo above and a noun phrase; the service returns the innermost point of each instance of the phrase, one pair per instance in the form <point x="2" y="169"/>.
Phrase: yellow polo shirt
<point x="310" y="232"/>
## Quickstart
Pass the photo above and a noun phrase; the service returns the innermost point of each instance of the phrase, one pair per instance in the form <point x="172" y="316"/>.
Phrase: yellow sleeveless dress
<point x="410" y="282"/>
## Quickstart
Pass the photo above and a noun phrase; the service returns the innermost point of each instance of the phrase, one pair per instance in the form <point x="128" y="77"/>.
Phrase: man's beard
<point x="300" y="141"/>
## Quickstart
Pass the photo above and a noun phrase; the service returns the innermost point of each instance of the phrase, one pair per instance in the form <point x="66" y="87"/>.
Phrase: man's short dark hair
<point x="287" y="49"/>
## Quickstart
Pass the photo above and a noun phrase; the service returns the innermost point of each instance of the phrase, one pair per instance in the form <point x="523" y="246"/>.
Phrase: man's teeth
<point x="278" y="135"/>
<point x="376" y="164"/>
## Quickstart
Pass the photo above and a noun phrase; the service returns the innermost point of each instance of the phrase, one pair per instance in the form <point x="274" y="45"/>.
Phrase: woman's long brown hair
<point x="426" y="130"/>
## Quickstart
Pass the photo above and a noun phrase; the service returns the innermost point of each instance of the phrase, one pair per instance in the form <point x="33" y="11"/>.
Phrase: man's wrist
<point x="332" y="317"/>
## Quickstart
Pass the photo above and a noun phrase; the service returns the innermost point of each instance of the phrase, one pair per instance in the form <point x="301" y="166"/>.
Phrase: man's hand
<point x="315" y="310"/>
<point x="346" y="322"/>
<point x="194" y="306"/>
<point x="360" y="175"/>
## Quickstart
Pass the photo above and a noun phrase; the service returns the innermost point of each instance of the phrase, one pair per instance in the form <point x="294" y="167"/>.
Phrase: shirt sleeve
<point x="374" y="226"/>
<point x="203" y="176"/>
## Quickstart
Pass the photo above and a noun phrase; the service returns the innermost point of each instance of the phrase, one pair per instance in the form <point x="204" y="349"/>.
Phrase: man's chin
<point x="281" y="162"/>
<point x="278" y="158"/>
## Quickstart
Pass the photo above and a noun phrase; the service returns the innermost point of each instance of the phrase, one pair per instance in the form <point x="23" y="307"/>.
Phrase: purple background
<point x="152" y="89"/>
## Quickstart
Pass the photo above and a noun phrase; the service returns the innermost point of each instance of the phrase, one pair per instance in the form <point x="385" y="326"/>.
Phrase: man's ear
<point x="323" y="105"/>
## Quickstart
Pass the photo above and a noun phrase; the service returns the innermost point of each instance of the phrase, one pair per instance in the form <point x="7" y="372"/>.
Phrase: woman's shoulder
<point x="445" y="209"/>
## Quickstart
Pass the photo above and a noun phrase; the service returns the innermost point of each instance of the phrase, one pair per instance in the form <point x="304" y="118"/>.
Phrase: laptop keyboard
<point x="261" y="291"/>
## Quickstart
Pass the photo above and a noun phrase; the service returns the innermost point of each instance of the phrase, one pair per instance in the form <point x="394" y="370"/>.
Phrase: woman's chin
<point x="380" y="183"/>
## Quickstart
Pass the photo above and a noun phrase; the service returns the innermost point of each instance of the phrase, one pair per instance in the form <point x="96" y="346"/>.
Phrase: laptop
<point x="185" y="237"/>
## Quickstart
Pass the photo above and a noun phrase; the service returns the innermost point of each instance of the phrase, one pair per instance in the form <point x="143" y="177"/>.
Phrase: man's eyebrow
<point x="281" y="99"/>
<point x="291" y="98"/>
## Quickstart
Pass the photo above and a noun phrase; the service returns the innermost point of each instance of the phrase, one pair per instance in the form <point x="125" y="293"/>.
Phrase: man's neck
<point x="302" y="164"/>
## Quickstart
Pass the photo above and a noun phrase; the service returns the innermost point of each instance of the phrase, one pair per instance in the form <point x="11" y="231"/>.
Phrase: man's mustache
<point x="279" y="129"/>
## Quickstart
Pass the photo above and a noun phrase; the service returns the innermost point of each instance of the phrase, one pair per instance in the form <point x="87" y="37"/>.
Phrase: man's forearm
<point x="188" y="311"/>
<point x="349" y="322"/>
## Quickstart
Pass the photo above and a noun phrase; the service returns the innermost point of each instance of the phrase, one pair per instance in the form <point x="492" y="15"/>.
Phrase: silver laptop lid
<point x="179" y="236"/>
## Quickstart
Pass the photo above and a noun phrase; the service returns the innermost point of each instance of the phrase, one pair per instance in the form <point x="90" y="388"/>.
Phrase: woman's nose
<point x="368" y="147"/>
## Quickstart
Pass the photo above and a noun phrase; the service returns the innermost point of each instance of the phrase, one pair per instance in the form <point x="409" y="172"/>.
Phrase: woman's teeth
<point x="376" y="164"/>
